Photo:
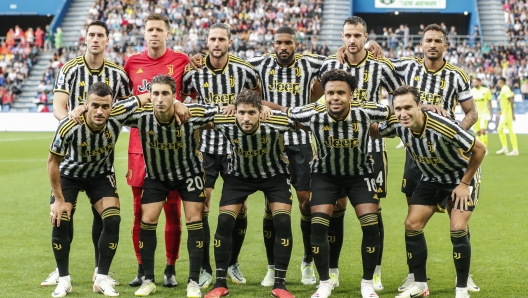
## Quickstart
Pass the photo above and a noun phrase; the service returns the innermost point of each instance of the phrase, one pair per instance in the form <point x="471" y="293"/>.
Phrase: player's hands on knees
<point x="436" y="109"/>
<point x="181" y="113"/>
<point x="76" y="114"/>
<point x="461" y="196"/>
<point x="196" y="61"/>
<point x="229" y="110"/>
<point x="57" y="208"/>
<point x="265" y="113"/>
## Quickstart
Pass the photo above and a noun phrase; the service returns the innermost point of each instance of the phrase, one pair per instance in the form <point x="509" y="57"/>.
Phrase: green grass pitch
<point x="498" y="232"/>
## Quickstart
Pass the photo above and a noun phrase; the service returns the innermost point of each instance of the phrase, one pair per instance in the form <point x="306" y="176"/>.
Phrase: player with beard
<point x="218" y="83"/>
<point x="69" y="96"/>
<point x="141" y="68"/>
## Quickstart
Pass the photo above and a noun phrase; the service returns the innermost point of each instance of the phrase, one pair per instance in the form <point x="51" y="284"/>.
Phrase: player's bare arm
<point x="470" y="110"/>
<point x="60" y="103"/>
<point x="462" y="193"/>
<point x="317" y="91"/>
<point x="59" y="206"/>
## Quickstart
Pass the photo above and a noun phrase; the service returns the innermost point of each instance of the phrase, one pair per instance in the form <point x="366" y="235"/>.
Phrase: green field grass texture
<point x="498" y="232"/>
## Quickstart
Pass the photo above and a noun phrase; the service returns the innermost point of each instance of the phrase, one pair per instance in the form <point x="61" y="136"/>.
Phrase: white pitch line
<point x="25" y="139"/>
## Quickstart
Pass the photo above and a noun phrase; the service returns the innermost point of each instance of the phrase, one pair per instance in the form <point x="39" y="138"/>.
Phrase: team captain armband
<point x="464" y="95"/>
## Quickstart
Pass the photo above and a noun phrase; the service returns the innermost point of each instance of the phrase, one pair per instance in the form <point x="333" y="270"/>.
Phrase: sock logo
<point x="57" y="246"/>
<point x="217" y="243"/>
<point x="371" y="249"/>
<point x="331" y="239"/>
<point x="113" y="246"/>
<point x="315" y="250"/>
<point x="409" y="255"/>
<point x="140" y="244"/>
<point x="267" y="234"/>
<point x="199" y="244"/>
<point x="456" y="255"/>
<point x="285" y="242"/>
<point x="241" y="231"/>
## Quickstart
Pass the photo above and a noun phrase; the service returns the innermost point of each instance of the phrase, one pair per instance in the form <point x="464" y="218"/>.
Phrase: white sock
<point x="67" y="277"/>
<point x="100" y="276"/>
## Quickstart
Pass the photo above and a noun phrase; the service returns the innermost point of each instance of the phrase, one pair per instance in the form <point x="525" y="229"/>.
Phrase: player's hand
<point x="265" y="113"/>
<point x="181" y="113"/>
<point x="229" y="110"/>
<point x="57" y="209"/>
<point x="196" y="61"/>
<point x="375" y="49"/>
<point x="436" y="109"/>
<point x="341" y="55"/>
<point x="76" y="114"/>
<point x="461" y="196"/>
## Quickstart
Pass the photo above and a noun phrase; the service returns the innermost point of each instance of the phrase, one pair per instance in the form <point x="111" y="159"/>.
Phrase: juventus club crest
<point x="170" y="67"/>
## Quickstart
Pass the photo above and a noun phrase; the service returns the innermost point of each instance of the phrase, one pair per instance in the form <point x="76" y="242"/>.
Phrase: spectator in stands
<point x="48" y="42"/>
<point x="30" y="37"/>
<point x="20" y="38"/>
<point x="39" y="38"/>
<point x="3" y="93"/>
<point x="7" y="100"/>
<point x="58" y="38"/>
<point x="10" y="38"/>
<point x="4" y="49"/>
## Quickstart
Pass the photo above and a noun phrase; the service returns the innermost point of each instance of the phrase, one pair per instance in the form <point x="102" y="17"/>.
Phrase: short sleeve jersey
<point x="90" y="153"/>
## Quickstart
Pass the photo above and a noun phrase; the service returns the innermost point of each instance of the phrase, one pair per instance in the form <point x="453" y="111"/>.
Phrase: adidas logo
<point x="202" y="195"/>
<point x="84" y="144"/>
<point x="326" y="128"/>
<point x="151" y="132"/>
<point x="139" y="70"/>
<point x="417" y="78"/>
<point x="82" y="84"/>
<point x="272" y="72"/>
<point x="206" y="85"/>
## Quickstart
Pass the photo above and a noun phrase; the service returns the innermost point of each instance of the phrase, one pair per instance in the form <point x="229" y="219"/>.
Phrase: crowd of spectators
<point x="18" y="53"/>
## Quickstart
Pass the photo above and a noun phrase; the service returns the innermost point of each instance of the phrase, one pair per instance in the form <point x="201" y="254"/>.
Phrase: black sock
<point x="140" y="271"/>
<point x="370" y="243"/>
<point x="268" y="230"/>
<point x="60" y="243"/>
<point x="238" y="235"/>
<point x="306" y="230"/>
<point x="320" y="246"/>
<point x="147" y="248"/>
<point x="195" y="247"/>
<point x="461" y="256"/>
<point x="74" y="206"/>
<point x="170" y="270"/>
<point x="335" y="237"/>
<point x="417" y="253"/>
<point x="382" y="236"/>
<point x="97" y="229"/>
<point x="223" y="245"/>
<point x="109" y="238"/>
<point x="206" y="259"/>
<point x="283" y="243"/>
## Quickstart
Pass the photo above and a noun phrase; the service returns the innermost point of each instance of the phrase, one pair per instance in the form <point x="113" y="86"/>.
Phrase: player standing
<point x="218" y="83"/>
<point x="482" y="97"/>
<point x="141" y="68"/>
<point x="70" y="94"/>
<point x="507" y="117"/>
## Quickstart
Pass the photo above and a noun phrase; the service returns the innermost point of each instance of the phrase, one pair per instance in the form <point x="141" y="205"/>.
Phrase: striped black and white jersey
<point x="90" y="153"/>
<point x="218" y="87"/>
<point x="289" y="86"/>
<point x="372" y="75"/>
<point x="342" y="145"/>
<point x="259" y="154"/>
<point x="170" y="150"/>
<point x="445" y="87"/>
<point x="441" y="150"/>
<point x="75" y="77"/>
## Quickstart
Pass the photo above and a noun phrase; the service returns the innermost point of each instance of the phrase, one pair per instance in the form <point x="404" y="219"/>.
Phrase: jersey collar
<point x="368" y="55"/>
<point x="421" y="133"/>
<point x="92" y="72"/>
<point x="434" y="72"/>
<point x="214" y="70"/>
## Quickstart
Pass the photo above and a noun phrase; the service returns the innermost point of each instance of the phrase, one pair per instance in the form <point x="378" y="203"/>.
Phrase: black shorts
<point x="276" y="189"/>
<point x="213" y="164"/>
<point x="96" y="188"/>
<point x="300" y="158"/>
<point x="190" y="189"/>
<point x="380" y="172"/>
<point x="438" y="194"/>
<point x="411" y="175"/>
<point x="326" y="189"/>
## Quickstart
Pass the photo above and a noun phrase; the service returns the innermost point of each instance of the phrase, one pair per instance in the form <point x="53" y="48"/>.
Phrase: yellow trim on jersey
<point x="461" y="153"/>
<point x="197" y="111"/>
<point x="221" y="118"/>
<point x="464" y="76"/>
<point x="278" y="119"/>
<point x="74" y="62"/>
<point x="367" y="56"/>
<point x="112" y="64"/>
<point x="436" y="71"/>
<point x="61" y="90"/>
<point x="55" y="153"/>
<point x="442" y="128"/>
<point x="240" y="61"/>
<point x="387" y="62"/>
<point x="67" y="127"/>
